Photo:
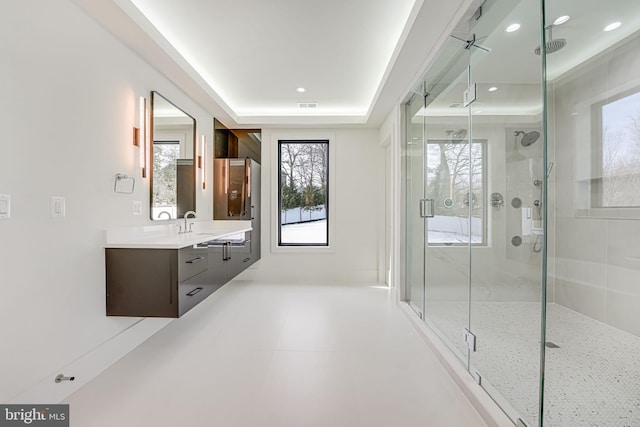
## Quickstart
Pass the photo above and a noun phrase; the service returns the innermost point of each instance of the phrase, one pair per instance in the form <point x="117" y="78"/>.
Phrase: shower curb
<point x="489" y="411"/>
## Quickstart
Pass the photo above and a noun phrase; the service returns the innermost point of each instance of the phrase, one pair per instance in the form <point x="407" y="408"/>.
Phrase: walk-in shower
<point x="550" y="289"/>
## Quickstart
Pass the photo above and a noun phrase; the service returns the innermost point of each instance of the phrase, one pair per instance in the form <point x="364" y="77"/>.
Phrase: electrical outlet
<point x="5" y="206"/>
<point x="58" y="206"/>
<point x="137" y="207"/>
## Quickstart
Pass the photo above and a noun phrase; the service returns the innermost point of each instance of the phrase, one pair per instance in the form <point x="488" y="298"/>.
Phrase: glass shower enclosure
<point x="521" y="177"/>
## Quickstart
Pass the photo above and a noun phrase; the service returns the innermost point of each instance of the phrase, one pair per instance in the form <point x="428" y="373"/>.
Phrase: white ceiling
<point x="255" y="53"/>
<point x="511" y="65"/>
<point x="356" y="58"/>
<point x="243" y="59"/>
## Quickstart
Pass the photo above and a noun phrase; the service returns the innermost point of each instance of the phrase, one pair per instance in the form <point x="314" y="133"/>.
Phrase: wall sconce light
<point x="140" y="135"/>
<point x="202" y="158"/>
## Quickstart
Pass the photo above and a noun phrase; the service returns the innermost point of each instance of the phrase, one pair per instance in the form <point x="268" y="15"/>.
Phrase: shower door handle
<point x="426" y="208"/>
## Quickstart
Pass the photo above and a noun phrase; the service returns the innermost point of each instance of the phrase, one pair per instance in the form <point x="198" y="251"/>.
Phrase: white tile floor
<point x="258" y="354"/>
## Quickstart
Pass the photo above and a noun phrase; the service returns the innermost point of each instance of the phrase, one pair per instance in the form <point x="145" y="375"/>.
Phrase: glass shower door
<point x="506" y="206"/>
<point x="415" y="224"/>
<point x="447" y="188"/>
<point x="437" y="176"/>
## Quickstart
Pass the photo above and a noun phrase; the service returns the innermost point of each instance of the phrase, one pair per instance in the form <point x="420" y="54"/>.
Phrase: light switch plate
<point x="58" y="206"/>
<point x="137" y="207"/>
<point x="5" y="206"/>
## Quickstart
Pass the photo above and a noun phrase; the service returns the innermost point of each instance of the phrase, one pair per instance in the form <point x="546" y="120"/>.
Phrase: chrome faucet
<point x="186" y="215"/>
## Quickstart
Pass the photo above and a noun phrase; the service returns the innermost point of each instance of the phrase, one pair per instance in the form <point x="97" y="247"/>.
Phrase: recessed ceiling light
<point x="492" y="89"/>
<point x="612" y="26"/>
<point x="561" y="20"/>
<point x="301" y="90"/>
<point x="513" y="27"/>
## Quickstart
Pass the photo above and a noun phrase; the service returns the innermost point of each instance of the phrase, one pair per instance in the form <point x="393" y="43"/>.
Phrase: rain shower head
<point x="552" y="45"/>
<point x="528" y="138"/>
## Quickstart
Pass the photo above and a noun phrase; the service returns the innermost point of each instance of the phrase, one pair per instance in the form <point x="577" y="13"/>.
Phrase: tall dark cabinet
<point x="236" y="182"/>
<point x="236" y="196"/>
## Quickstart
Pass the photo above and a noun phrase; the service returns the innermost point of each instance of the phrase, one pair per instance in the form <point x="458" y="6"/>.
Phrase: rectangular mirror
<point x="173" y="175"/>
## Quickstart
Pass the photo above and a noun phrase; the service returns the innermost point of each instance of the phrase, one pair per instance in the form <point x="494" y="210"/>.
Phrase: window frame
<point x="596" y="188"/>
<point x="328" y="193"/>
<point x="484" y="144"/>
<point x="584" y="146"/>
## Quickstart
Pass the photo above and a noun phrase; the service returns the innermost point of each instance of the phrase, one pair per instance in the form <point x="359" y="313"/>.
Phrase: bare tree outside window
<point x="455" y="176"/>
<point x="165" y="155"/>
<point x="619" y="183"/>
<point x="303" y="193"/>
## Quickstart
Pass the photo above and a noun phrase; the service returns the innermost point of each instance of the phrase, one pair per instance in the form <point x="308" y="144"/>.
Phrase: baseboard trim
<point x="486" y="407"/>
<point x="90" y="365"/>
<point x="333" y="275"/>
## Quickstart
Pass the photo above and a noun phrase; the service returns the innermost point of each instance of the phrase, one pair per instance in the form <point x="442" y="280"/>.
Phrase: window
<point x="303" y="202"/>
<point x="449" y="165"/>
<point x="166" y="157"/>
<point x="616" y="183"/>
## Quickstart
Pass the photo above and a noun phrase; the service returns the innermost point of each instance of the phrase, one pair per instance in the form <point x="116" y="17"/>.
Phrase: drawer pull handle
<point x="194" y="260"/>
<point x="195" y="291"/>
<point x="226" y="251"/>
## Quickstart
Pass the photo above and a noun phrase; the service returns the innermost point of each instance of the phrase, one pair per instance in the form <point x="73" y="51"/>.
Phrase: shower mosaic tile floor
<point x="592" y="378"/>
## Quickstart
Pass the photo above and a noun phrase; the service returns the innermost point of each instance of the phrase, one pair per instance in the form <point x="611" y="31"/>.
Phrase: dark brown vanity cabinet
<point x="227" y="258"/>
<point x="156" y="282"/>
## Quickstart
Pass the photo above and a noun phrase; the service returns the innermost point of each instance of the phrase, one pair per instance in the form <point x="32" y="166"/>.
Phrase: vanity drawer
<point x="191" y="261"/>
<point x="192" y="293"/>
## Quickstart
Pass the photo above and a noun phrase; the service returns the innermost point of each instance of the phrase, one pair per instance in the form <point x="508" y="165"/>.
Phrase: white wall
<point x="389" y="138"/>
<point x="68" y="102"/>
<point x="355" y="192"/>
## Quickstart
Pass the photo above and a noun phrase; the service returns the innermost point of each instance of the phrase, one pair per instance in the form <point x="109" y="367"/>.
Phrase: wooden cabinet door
<point x="142" y="282"/>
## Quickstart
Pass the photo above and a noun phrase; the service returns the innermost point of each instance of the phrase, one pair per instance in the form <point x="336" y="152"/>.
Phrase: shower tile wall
<point x="523" y="167"/>
<point x="597" y="269"/>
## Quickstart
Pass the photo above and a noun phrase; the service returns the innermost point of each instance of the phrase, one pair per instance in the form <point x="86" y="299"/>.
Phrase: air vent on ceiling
<point x="308" y="104"/>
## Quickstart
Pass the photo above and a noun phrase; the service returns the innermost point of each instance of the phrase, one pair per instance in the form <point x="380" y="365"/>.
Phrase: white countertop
<point x="167" y="236"/>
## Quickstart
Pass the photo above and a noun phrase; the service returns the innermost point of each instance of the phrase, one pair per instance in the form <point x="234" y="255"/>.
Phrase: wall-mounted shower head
<point x="552" y="45"/>
<point x="456" y="135"/>
<point x="528" y="138"/>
